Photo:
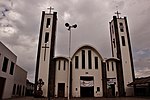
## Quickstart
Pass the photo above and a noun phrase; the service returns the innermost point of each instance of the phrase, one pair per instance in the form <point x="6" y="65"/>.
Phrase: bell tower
<point x="44" y="65"/>
<point x="121" y="49"/>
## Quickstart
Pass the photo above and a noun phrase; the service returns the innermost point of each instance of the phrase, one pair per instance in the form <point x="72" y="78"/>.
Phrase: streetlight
<point x="69" y="29"/>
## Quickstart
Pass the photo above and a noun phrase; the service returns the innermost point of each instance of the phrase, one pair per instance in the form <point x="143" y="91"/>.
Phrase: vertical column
<point x="39" y="51"/>
<point x="119" y="66"/>
<point x="51" y="78"/>
<point x="104" y="79"/>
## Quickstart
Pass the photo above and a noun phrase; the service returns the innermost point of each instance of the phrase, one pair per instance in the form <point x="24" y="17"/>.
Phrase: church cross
<point x="45" y="47"/>
<point x="50" y="10"/>
<point x="117" y="14"/>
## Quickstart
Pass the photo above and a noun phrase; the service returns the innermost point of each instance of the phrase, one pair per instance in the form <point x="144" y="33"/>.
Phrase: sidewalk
<point x="121" y="98"/>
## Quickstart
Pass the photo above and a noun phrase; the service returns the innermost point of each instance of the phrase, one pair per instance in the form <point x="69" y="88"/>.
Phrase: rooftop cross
<point x="50" y="10"/>
<point x="117" y="14"/>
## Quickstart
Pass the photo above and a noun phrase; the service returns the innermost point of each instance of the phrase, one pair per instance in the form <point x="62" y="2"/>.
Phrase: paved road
<point x="122" y="98"/>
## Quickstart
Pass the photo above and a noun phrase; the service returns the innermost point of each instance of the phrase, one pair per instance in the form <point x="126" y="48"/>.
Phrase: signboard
<point x="111" y="81"/>
<point x="85" y="83"/>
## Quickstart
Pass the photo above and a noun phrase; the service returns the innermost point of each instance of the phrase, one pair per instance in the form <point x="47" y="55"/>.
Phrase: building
<point x="29" y="88"/>
<point x="7" y="66"/>
<point x="19" y="87"/>
<point x="12" y="77"/>
<point x="142" y="86"/>
<point x="87" y="73"/>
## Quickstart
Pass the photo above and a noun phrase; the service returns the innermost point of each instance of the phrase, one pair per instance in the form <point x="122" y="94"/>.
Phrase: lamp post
<point x="69" y="29"/>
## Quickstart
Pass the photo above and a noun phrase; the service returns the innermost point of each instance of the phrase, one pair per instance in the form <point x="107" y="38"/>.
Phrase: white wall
<point x="5" y="52"/>
<point x="61" y="76"/>
<point x="44" y="65"/>
<point x="126" y="62"/>
<point x="112" y="74"/>
<point x="96" y="73"/>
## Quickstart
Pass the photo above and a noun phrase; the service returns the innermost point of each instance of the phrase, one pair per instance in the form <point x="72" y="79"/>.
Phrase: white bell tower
<point x="45" y="54"/>
<point x="121" y="48"/>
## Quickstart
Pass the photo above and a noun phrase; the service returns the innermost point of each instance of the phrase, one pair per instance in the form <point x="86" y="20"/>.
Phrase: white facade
<point x="95" y="73"/>
<point x="6" y="76"/>
<point x="20" y="77"/>
<point x="79" y="72"/>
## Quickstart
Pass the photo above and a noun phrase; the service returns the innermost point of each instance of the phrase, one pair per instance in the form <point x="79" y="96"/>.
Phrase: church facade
<point x="86" y="73"/>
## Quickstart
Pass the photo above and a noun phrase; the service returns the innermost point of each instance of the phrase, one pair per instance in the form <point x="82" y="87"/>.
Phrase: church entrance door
<point x="86" y="86"/>
<point x="87" y="91"/>
<point x="61" y="89"/>
<point x="111" y="90"/>
<point x="2" y="84"/>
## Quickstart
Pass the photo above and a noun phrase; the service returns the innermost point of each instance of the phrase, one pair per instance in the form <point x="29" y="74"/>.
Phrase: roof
<point x="4" y="46"/>
<point x="89" y="47"/>
<point x="139" y="81"/>
<point x="61" y="57"/>
<point x="112" y="59"/>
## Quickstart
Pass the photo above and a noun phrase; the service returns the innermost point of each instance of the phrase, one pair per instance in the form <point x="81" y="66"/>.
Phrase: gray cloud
<point x="19" y="29"/>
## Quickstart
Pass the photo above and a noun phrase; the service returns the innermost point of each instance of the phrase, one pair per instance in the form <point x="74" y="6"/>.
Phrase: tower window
<point x="123" y="40"/>
<point x="64" y="65"/>
<point x="76" y="62"/>
<point x="112" y="29"/>
<point x="12" y="68"/>
<point x="5" y="63"/>
<point x="46" y="37"/>
<point x="96" y="62"/>
<point x="48" y="23"/>
<point x="89" y="59"/>
<point x="83" y="59"/>
<point x="121" y="27"/>
<point x="107" y="66"/>
<point x="112" y="66"/>
<point x="59" y="65"/>
<point x="114" y="43"/>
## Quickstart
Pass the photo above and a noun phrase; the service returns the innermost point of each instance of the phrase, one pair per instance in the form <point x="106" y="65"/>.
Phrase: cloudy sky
<point x="20" y="23"/>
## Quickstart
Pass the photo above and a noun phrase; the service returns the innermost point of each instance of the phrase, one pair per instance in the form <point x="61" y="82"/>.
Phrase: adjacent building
<point x="142" y="86"/>
<point x="29" y="88"/>
<point x="12" y="77"/>
<point x="7" y="67"/>
<point x="19" y="87"/>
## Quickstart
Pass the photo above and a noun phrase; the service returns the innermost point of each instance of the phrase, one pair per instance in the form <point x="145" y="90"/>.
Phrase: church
<point x="86" y="73"/>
